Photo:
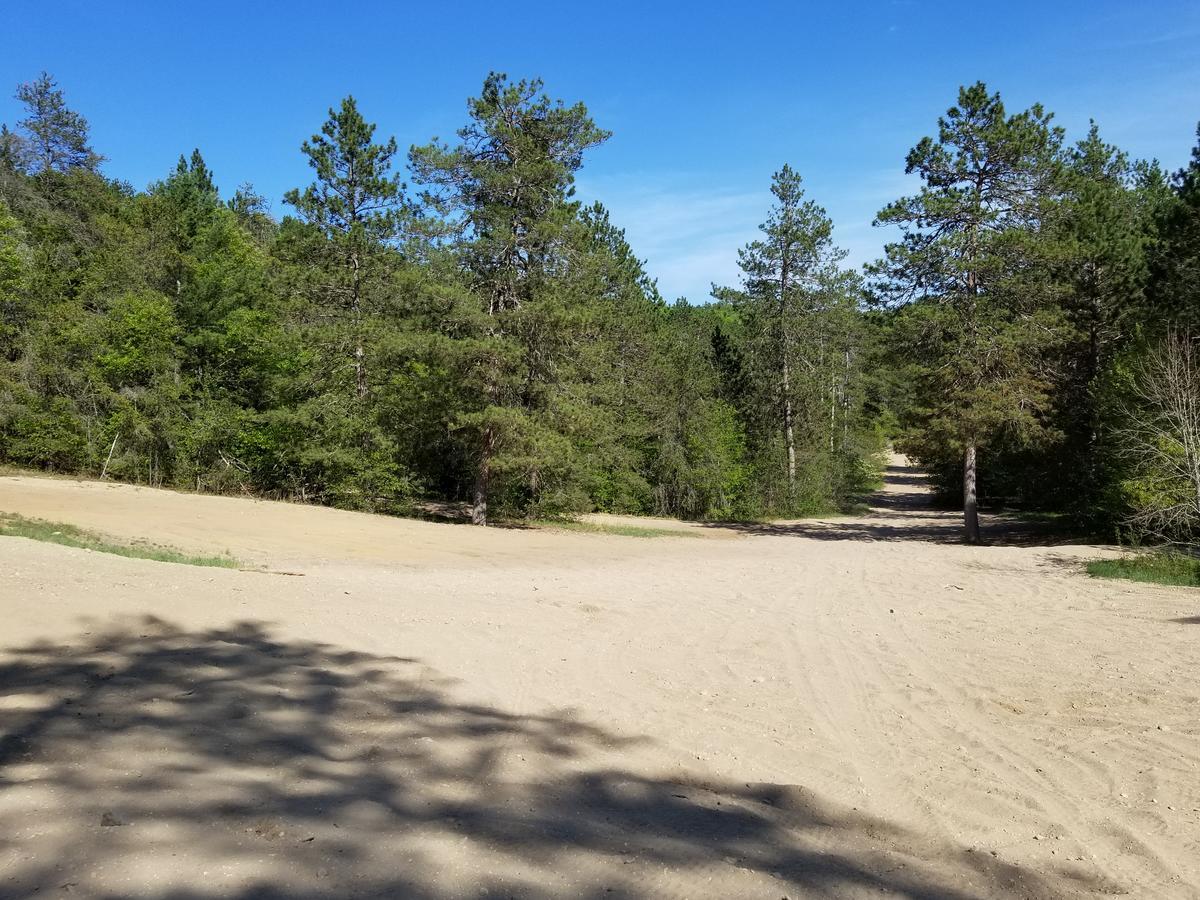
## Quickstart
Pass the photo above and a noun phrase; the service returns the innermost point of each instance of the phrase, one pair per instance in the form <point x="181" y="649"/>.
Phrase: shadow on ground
<point x="904" y="511"/>
<point x="151" y="761"/>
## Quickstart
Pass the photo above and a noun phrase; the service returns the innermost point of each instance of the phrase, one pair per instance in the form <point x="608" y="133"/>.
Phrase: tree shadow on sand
<point x="904" y="511"/>
<point x="150" y="761"/>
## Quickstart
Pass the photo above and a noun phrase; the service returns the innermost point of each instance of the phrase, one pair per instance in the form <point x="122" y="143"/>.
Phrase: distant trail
<point x="902" y="510"/>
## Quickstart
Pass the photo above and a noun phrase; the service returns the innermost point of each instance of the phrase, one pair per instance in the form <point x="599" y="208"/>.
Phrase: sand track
<point x="851" y="707"/>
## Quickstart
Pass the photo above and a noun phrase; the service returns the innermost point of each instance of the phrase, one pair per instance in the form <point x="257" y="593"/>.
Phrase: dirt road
<point x="852" y="707"/>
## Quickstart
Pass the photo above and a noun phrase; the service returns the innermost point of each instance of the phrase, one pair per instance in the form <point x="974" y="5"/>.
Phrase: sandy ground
<point x="854" y="707"/>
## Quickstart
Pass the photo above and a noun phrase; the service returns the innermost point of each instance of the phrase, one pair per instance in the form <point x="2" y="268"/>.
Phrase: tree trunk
<point x="832" y="415"/>
<point x="360" y="362"/>
<point x="970" y="493"/>
<point x="789" y="431"/>
<point x="482" y="477"/>
<point x="970" y="499"/>
<point x="845" y="400"/>
<point x="360" y="371"/>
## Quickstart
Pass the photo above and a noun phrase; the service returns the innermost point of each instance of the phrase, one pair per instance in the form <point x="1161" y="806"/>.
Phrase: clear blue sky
<point x="705" y="99"/>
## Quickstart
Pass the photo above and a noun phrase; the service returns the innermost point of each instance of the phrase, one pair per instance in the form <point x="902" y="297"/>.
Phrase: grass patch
<point x="1153" y="568"/>
<point x="640" y="531"/>
<point x="12" y="525"/>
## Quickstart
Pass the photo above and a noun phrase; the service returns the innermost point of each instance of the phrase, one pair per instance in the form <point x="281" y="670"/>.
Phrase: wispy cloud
<point x="689" y="231"/>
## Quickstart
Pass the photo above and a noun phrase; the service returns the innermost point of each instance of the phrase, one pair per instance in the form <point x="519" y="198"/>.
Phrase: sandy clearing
<point x="840" y="708"/>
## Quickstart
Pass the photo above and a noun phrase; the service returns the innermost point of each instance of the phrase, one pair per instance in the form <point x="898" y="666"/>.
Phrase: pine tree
<point x="506" y="188"/>
<point x="785" y="277"/>
<point x="56" y="136"/>
<point x="357" y="206"/>
<point x="339" y="260"/>
<point x="1105" y="226"/>
<point x="1106" y="244"/>
<point x="1175" y="280"/>
<point x="970" y="264"/>
<point x="190" y="201"/>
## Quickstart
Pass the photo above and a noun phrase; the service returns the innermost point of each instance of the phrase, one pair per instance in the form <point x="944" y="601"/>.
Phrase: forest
<point x="449" y="331"/>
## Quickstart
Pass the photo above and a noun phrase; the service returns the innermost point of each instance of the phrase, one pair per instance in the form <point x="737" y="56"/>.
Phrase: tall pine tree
<point x="56" y="137"/>
<point x="969" y="262"/>
<point x="343" y="253"/>
<point x="356" y="204"/>
<point x="506" y="188"/>
<point x="791" y="281"/>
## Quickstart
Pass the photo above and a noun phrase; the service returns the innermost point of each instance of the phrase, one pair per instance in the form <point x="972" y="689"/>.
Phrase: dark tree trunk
<point x="482" y="478"/>
<point x="970" y="498"/>
<point x="789" y="430"/>
<point x="360" y="362"/>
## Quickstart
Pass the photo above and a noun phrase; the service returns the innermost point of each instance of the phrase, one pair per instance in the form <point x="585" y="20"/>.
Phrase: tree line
<point x="452" y="330"/>
<point x="475" y="339"/>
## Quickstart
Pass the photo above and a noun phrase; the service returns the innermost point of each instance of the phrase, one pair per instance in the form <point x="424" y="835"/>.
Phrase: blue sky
<point x="705" y="100"/>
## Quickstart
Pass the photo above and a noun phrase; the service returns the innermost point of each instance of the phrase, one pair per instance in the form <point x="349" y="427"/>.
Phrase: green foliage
<point x="140" y="336"/>
<point x="973" y="271"/>
<point x="356" y="201"/>
<point x="14" y="265"/>
<point x="56" y="137"/>
<point x="43" y="433"/>
<point x="505" y="191"/>
<point x="1175" y="283"/>
<point x="1032" y="282"/>
<point x="790" y="352"/>
<point x="342" y="260"/>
